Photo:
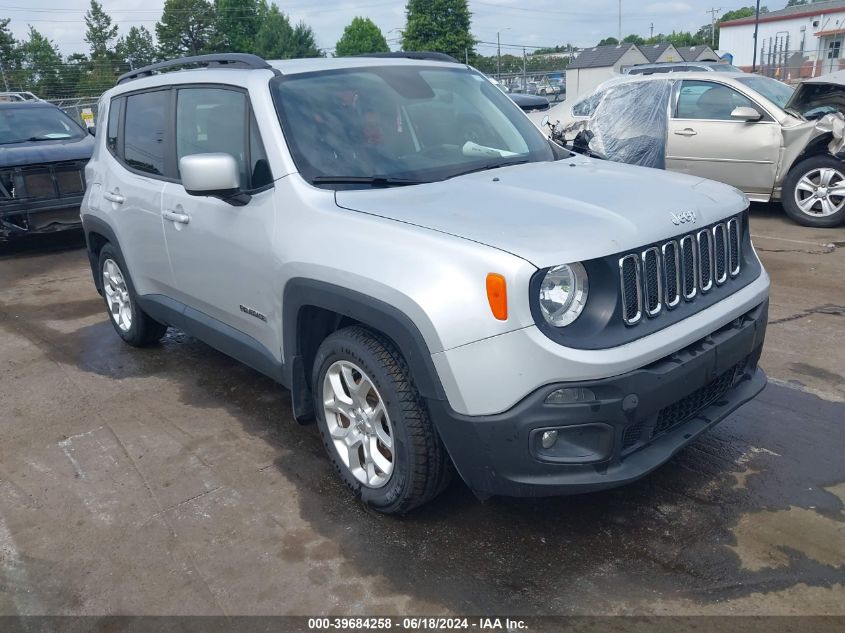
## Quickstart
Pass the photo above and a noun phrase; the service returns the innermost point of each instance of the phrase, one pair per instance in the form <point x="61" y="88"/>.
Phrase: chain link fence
<point x="83" y="110"/>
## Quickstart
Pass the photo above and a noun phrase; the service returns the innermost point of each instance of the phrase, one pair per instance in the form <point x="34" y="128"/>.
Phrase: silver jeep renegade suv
<point x="436" y="284"/>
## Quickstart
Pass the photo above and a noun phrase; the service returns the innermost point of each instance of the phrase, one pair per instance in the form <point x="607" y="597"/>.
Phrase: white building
<point x="598" y="64"/>
<point x="799" y="41"/>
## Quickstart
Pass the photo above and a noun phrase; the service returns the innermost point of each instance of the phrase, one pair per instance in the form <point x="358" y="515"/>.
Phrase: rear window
<point x="33" y="124"/>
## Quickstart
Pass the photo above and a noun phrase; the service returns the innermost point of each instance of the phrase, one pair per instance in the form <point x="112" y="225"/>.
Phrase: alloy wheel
<point x="117" y="295"/>
<point x="358" y="423"/>
<point x="821" y="192"/>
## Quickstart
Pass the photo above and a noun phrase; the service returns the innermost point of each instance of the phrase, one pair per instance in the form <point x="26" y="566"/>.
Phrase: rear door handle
<point x="686" y="132"/>
<point x="114" y="196"/>
<point x="181" y="218"/>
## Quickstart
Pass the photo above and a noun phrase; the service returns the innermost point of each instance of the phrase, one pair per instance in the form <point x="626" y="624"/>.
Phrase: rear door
<point x="138" y="167"/>
<point x="705" y="141"/>
<point x="223" y="255"/>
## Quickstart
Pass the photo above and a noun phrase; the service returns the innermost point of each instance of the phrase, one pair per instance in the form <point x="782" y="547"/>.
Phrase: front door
<point x="705" y="141"/>
<point x="222" y="255"/>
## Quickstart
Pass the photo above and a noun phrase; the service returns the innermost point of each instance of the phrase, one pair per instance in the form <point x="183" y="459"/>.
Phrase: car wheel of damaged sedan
<point x="814" y="192"/>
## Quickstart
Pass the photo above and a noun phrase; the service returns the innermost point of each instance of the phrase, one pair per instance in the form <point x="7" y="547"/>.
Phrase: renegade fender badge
<point x="252" y="312"/>
<point x="683" y="217"/>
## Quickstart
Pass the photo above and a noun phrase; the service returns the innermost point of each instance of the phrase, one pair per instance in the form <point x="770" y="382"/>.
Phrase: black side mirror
<point x="92" y="130"/>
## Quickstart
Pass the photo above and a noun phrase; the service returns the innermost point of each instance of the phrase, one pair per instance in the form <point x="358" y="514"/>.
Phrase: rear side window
<point x="587" y="106"/>
<point x="113" y="125"/>
<point x="145" y="129"/>
<point x="217" y="120"/>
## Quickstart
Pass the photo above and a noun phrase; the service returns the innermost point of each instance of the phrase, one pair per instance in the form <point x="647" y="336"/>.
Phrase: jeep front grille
<point x="662" y="276"/>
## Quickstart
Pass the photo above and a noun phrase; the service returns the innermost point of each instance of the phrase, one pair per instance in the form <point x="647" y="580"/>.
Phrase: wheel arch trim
<point x="300" y="293"/>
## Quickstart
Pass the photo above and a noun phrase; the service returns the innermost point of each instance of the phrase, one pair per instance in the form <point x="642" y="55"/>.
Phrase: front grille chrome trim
<point x="647" y="254"/>
<point x="638" y="299"/>
<point x="674" y="273"/>
<point x="734" y="236"/>
<point x="705" y="243"/>
<point x="720" y="276"/>
<point x="688" y="245"/>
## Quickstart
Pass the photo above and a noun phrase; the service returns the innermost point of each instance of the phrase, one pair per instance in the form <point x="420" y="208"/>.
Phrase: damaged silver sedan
<point x="752" y="132"/>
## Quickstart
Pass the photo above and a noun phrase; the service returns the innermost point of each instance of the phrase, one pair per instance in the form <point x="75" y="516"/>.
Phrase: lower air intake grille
<point x="686" y="407"/>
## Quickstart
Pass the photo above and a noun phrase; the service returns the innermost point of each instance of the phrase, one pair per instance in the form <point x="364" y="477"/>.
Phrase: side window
<point x="145" y="130"/>
<point x="115" y="108"/>
<point x="708" y="100"/>
<point x="588" y="105"/>
<point x="210" y="120"/>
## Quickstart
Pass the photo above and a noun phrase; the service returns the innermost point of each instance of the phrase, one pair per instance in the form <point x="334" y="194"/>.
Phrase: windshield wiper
<point x="375" y="181"/>
<point x="496" y="165"/>
<point x="45" y="138"/>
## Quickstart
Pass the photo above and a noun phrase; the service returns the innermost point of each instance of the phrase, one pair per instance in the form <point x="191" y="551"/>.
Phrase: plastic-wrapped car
<point x="745" y="130"/>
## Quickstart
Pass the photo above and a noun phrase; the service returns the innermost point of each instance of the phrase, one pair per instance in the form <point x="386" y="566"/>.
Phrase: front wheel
<point x="374" y="424"/>
<point x="814" y="192"/>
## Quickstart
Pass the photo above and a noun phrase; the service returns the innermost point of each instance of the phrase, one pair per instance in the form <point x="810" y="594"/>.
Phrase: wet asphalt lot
<point x="173" y="480"/>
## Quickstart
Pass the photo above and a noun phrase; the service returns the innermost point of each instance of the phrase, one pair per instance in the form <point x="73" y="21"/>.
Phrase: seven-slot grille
<point x="662" y="276"/>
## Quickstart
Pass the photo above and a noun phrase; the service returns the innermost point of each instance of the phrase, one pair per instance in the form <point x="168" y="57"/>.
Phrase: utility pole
<point x="5" y="81"/>
<point x="499" y="57"/>
<point x="524" y="78"/>
<point x="713" y="13"/>
<point x="620" y="21"/>
<point x="756" y="26"/>
<point x="651" y="37"/>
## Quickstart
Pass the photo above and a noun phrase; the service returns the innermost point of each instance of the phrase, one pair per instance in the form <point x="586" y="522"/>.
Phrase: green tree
<point x="438" y="25"/>
<point x="361" y="36"/>
<point x="100" y="32"/>
<point x="238" y="23"/>
<point x="608" y="41"/>
<point x="633" y="39"/>
<point x="186" y="27"/>
<point x="136" y="48"/>
<point x="10" y="57"/>
<point x="40" y="65"/>
<point x="277" y="39"/>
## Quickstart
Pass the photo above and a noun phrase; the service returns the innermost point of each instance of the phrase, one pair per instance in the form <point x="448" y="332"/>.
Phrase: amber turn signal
<point x="497" y="296"/>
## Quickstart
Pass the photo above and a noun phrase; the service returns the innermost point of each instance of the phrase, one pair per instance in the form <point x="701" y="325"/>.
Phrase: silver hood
<point x="553" y="213"/>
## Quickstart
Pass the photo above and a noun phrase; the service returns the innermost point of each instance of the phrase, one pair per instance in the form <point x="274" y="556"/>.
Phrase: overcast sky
<point x="521" y="22"/>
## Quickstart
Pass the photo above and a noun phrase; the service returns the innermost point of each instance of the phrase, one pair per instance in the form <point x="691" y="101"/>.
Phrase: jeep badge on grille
<point x="683" y="217"/>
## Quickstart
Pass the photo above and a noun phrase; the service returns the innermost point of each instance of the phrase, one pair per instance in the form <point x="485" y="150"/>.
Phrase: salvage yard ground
<point x="173" y="480"/>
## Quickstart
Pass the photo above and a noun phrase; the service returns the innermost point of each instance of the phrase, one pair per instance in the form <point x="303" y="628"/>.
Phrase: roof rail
<point x="428" y="55"/>
<point x="18" y="96"/>
<point x="231" y="60"/>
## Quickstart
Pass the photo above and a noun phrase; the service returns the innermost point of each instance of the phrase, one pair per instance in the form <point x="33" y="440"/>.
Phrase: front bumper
<point x="45" y="216"/>
<point x="644" y="417"/>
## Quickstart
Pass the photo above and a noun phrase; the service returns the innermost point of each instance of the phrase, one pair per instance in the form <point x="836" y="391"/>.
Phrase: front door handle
<point x="114" y="196"/>
<point x="686" y="132"/>
<point x="181" y="218"/>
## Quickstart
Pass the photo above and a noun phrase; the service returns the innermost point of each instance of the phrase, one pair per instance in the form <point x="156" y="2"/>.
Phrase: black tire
<point x="143" y="330"/>
<point x="422" y="468"/>
<point x="790" y="185"/>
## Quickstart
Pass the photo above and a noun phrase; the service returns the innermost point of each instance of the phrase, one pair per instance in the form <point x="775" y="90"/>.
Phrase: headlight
<point x="563" y="294"/>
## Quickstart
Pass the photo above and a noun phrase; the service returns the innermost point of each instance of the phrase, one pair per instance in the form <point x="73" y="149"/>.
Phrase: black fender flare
<point x="301" y="293"/>
<point x="91" y="224"/>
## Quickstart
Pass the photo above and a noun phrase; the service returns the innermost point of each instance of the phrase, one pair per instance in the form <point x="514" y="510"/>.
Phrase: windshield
<point x="402" y="124"/>
<point x="27" y="123"/>
<point x="775" y="91"/>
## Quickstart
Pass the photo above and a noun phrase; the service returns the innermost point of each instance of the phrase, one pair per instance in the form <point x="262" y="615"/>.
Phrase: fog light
<point x="576" y="444"/>
<point x="570" y="395"/>
<point x="549" y="438"/>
